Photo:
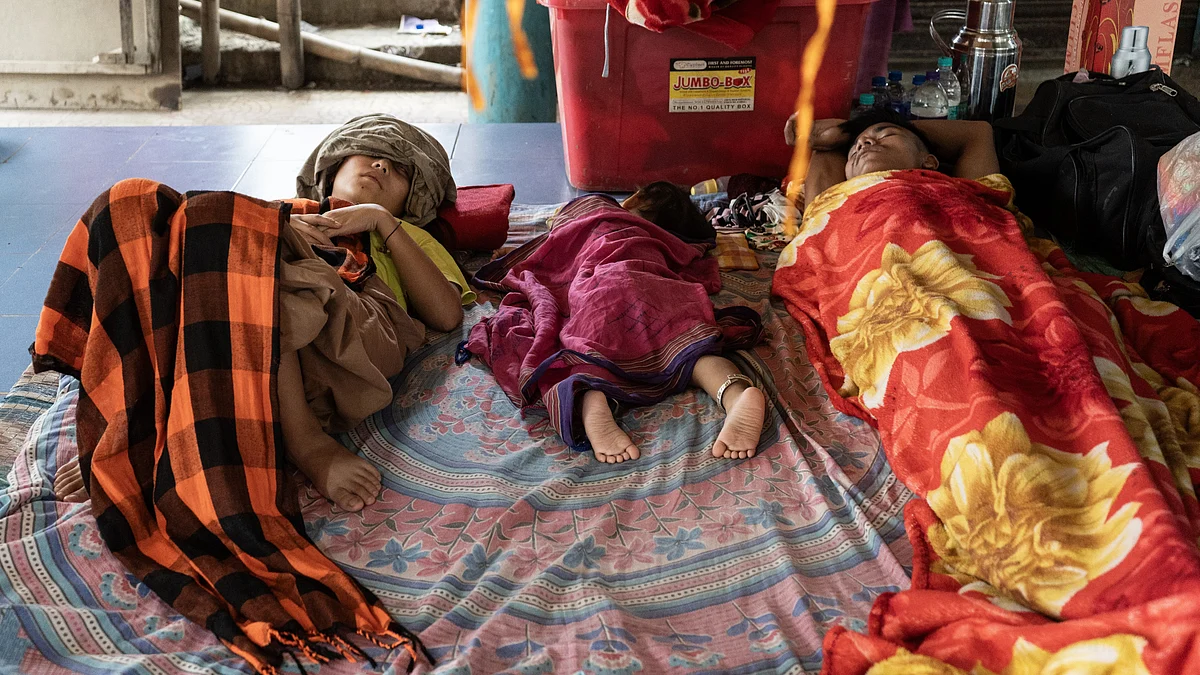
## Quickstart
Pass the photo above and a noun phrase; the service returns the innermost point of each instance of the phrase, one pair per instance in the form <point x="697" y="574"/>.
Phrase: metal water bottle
<point x="987" y="56"/>
<point x="1132" y="56"/>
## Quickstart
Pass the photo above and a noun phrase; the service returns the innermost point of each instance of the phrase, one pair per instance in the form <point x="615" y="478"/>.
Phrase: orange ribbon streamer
<point x="814" y="53"/>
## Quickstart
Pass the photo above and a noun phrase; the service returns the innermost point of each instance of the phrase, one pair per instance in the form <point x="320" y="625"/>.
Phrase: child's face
<point x="371" y="180"/>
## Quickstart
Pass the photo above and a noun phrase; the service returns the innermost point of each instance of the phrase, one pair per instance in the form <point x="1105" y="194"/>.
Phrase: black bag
<point x="1083" y="160"/>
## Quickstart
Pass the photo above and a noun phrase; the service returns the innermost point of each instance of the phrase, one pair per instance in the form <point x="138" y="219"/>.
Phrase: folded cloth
<point x="477" y="221"/>
<point x="605" y="301"/>
<point x="733" y="25"/>
<point x="733" y="253"/>
<point x="377" y="135"/>
<point x="168" y="309"/>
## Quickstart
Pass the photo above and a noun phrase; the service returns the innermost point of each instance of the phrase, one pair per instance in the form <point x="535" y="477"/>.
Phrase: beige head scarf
<point x="379" y="135"/>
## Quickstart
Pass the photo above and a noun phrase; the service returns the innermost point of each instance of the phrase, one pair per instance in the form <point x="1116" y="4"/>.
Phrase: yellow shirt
<point x="386" y="269"/>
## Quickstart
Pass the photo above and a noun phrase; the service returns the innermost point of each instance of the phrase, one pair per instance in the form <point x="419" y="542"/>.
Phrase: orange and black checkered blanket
<point x="167" y="309"/>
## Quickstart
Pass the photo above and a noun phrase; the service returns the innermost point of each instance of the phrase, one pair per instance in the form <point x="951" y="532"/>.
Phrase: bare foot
<point x="609" y="443"/>
<point x="743" y="424"/>
<point x="342" y="477"/>
<point x="68" y="483"/>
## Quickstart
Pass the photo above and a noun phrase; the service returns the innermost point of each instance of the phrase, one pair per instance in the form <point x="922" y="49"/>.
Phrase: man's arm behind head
<point x="966" y="145"/>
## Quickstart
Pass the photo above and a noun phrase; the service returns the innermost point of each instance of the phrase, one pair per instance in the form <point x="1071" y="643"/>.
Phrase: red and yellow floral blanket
<point x="1049" y="418"/>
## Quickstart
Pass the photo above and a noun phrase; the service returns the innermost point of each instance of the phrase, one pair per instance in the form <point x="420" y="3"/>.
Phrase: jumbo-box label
<point x="712" y="85"/>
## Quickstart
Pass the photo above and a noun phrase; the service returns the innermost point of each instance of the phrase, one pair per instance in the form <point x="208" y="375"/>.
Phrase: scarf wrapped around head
<point x="379" y="135"/>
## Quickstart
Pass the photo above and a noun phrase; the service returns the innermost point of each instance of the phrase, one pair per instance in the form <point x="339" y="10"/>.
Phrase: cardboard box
<point x="1096" y="25"/>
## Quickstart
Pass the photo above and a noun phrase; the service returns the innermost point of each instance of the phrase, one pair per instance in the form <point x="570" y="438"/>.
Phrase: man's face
<point x="886" y="147"/>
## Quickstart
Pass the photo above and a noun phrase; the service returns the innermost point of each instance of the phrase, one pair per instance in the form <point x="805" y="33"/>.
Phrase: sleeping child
<point x="377" y="178"/>
<point x="216" y="339"/>
<point x="610" y="309"/>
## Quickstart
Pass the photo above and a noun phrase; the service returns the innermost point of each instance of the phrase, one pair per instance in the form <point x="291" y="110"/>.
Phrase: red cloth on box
<point x="734" y="26"/>
<point x="477" y="221"/>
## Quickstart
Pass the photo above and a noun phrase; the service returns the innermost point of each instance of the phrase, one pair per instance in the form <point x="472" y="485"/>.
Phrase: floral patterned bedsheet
<point x="510" y="553"/>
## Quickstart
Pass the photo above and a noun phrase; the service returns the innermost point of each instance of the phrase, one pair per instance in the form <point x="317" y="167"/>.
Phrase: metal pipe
<point x="337" y="51"/>
<point x="291" y="50"/>
<point x="208" y="14"/>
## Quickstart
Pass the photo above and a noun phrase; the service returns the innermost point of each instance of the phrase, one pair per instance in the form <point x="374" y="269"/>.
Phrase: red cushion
<point x="478" y="221"/>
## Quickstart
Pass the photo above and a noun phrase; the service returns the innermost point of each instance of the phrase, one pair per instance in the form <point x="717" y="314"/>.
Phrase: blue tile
<point x="205" y="144"/>
<point x="11" y="142"/>
<point x="58" y="239"/>
<point x="16" y="135"/>
<point x="269" y="179"/>
<point x="445" y="133"/>
<point x="186" y="176"/>
<point x="294" y="142"/>
<point x="25" y="291"/>
<point x="16" y="334"/>
<point x="80" y="146"/>
<point x="535" y="182"/>
<point x="9" y="263"/>
<point x="27" y="180"/>
<point x="297" y="141"/>
<point x="509" y="141"/>
<point x="26" y="228"/>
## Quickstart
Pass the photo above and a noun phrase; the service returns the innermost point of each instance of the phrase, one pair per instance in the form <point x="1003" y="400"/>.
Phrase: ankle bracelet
<point x="738" y="377"/>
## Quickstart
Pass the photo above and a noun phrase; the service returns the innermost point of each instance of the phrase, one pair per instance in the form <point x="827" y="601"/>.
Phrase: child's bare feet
<point x="342" y="477"/>
<point x="743" y="424"/>
<point x="68" y="483"/>
<point x="609" y="443"/>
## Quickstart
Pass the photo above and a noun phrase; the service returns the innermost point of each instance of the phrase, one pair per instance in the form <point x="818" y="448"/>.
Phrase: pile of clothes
<point x="748" y="213"/>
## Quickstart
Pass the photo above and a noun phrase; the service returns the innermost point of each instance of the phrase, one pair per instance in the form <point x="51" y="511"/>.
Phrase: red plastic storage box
<point x="681" y="107"/>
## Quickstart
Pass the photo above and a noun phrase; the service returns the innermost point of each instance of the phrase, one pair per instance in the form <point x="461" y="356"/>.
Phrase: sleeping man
<point x="1046" y="417"/>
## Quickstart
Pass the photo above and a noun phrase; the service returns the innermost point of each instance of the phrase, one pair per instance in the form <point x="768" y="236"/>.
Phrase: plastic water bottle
<point x="865" y="102"/>
<point x="929" y="100"/>
<point x="879" y="89"/>
<point x="896" y="92"/>
<point x="917" y="81"/>
<point x="955" y="105"/>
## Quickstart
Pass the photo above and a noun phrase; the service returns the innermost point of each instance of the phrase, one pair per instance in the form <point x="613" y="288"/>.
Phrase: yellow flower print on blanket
<point x="1113" y="655"/>
<point x="1031" y="520"/>
<point x="817" y="214"/>
<point x="1183" y="405"/>
<point x="905" y="305"/>
<point x="1156" y="428"/>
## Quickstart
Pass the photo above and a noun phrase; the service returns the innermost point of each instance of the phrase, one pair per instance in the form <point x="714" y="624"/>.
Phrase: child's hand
<point x="355" y="219"/>
<point x="309" y="227"/>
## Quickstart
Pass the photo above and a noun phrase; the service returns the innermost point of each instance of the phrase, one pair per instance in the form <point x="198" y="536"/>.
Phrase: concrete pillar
<point x="291" y="49"/>
<point x="210" y="39"/>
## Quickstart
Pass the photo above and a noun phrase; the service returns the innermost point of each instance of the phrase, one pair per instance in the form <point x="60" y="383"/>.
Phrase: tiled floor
<point x="48" y="176"/>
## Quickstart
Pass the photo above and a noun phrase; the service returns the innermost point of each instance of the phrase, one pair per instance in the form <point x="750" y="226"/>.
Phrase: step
<point x="353" y="12"/>
<point x="253" y="62"/>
